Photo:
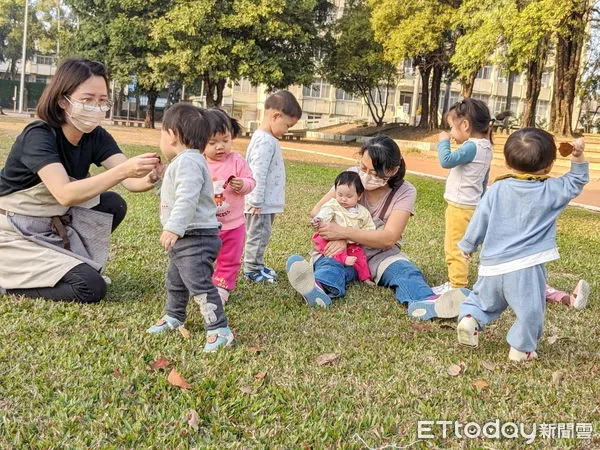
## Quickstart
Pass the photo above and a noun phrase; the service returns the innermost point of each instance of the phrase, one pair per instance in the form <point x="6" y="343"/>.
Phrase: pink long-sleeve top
<point x="230" y="204"/>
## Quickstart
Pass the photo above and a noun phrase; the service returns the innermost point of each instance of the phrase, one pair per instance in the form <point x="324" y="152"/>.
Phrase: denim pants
<point x="403" y="277"/>
<point x="190" y="275"/>
<point x="524" y="291"/>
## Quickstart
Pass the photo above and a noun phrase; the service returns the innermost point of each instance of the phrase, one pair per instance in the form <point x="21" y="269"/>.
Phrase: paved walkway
<point x="416" y="163"/>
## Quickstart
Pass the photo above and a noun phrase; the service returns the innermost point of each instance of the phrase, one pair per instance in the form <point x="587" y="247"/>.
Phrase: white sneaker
<point x="106" y="279"/>
<point x="580" y="295"/>
<point x="442" y="288"/>
<point x="519" y="356"/>
<point x="224" y="294"/>
<point x="468" y="331"/>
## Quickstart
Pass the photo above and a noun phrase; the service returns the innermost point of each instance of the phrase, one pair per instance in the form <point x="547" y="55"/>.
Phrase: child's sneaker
<point x="442" y="288"/>
<point x="519" y="356"/>
<point x="443" y="306"/>
<point x="224" y="294"/>
<point x="164" y="324"/>
<point x="580" y="295"/>
<point x="301" y="278"/>
<point x="468" y="331"/>
<point x="263" y="275"/>
<point x="215" y="339"/>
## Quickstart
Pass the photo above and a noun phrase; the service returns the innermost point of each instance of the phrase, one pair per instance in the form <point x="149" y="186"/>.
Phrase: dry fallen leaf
<point x="160" y="363"/>
<point x="455" y="369"/>
<point x="327" y="359"/>
<point x="488" y="365"/>
<point x="260" y="375"/>
<point x="557" y="377"/>
<point x="176" y="379"/>
<point x="117" y="373"/>
<point x="552" y="339"/>
<point x="184" y="332"/>
<point x="247" y="390"/>
<point x="420" y="326"/>
<point x="193" y="419"/>
<point x="254" y="350"/>
<point x="480" y="384"/>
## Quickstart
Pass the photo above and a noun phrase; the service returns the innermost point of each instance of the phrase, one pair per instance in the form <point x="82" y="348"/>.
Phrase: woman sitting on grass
<point x="55" y="219"/>
<point x="390" y="200"/>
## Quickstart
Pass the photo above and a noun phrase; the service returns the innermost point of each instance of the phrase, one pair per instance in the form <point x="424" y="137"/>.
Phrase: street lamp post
<point x="23" y="59"/>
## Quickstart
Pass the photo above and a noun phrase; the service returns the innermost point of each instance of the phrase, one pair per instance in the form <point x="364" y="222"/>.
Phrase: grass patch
<point x="77" y="376"/>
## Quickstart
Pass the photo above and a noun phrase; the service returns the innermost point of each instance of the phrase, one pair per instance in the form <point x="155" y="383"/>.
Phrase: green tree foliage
<point x="41" y="32"/>
<point x="270" y="42"/>
<point x="420" y="30"/>
<point x="355" y="63"/>
<point x="117" y="32"/>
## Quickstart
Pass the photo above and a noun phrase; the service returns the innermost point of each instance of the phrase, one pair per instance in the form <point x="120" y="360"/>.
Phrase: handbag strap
<point x="388" y="200"/>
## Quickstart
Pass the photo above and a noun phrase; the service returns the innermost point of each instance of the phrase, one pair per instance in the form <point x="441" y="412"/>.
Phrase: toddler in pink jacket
<point x="232" y="180"/>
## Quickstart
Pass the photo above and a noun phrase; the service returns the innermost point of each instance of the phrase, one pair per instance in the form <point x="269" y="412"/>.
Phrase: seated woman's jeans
<point x="403" y="276"/>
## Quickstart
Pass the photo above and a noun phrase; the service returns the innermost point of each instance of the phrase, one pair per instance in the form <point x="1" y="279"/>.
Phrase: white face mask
<point x="371" y="182"/>
<point x="84" y="117"/>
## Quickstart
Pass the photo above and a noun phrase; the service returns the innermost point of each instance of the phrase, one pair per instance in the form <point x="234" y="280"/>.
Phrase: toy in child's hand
<point x="315" y="222"/>
<point x="565" y="149"/>
<point x="228" y="181"/>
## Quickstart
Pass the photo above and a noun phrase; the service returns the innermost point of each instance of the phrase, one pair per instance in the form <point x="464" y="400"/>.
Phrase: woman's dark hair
<point x="530" y="150"/>
<point x="224" y="124"/>
<point x="386" y="156"/>
<point x="193" y="126"/>
<point x="476" y="112"/>
<point x="348" y="178"/>
<point x="68" y="77"/>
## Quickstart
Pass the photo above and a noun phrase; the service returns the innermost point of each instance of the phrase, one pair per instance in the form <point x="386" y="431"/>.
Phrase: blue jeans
<point x="403" y="276"/>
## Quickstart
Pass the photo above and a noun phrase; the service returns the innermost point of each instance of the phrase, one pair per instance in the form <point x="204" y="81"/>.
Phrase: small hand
<point x="157" y="173"/>
<point x="254" y="211"/>
<point x="467" y="256"/>
<point x="444" y="135"/>
<point x="578" y="147"/>
<point x="168" y="239"/>
<point x="236" y="184"/>
<point x="316" y="222"/>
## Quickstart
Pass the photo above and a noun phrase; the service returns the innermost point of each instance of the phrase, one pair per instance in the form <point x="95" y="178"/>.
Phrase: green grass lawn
<point x="77" y="376"/>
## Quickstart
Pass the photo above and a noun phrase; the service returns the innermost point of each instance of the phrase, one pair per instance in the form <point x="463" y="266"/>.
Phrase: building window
<point x="319" y="89"/>
<point x="454" y="97"/>
<point x="409" y="68"/>
<point x="244" y="86"/>
<point x="47" y="60"/>
<point x="342" y="95"/>
<point x="405" y="102"/>
<point x="484" y="73"/>
<point x="484" y="98"/>
<point x="546" y="77"/>
<point x="377" y="95"/>
<point x="541" y="111"/>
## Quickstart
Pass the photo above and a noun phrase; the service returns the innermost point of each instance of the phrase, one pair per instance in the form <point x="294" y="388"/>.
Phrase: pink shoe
<point x="556" y="296"/>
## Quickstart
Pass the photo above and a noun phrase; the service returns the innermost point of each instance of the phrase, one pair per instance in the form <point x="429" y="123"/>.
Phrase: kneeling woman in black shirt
<point x="56" y="219"/>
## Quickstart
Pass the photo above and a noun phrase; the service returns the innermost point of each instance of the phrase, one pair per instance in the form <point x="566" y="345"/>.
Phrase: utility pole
<point x="57" y="29"/>
<point x="23" y="58"/>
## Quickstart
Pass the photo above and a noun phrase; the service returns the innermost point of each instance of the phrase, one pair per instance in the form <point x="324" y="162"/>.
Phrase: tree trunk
<point x="535" y="68"/>
<point x="152" y="96"/>
<point x="566" y="70"/>
<point x="138" y="110"/>
<point x="214" y="91"/>
<point x="467" y="83"/>
<point x="509" y="90"/>
<point x="434" y="101"/>
<point x="425" y="71"/>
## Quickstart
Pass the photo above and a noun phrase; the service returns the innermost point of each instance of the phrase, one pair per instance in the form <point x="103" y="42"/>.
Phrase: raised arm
<point x="71" y="193"/>
<point x="142" y="184"/>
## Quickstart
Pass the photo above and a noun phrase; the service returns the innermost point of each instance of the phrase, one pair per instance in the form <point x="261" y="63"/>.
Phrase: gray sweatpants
<point x="258" y="233"/>
<point x="190" y="275"/>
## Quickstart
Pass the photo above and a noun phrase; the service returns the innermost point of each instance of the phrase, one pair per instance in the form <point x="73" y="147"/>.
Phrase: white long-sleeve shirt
<point x="266" y="161"/>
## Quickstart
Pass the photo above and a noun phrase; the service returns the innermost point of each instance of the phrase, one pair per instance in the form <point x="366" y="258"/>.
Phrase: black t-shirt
<point x="40" y="144"/>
